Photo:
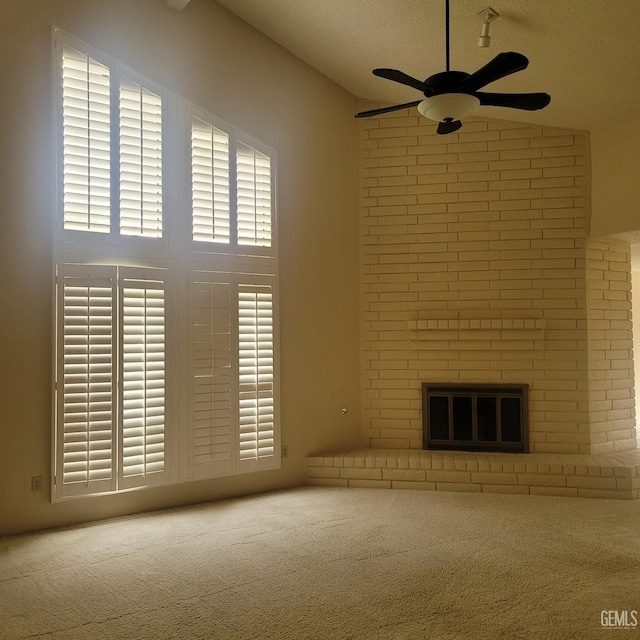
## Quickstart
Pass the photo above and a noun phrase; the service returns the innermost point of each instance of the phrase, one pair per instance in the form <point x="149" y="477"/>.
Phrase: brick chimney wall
<point x="476" y="267"/>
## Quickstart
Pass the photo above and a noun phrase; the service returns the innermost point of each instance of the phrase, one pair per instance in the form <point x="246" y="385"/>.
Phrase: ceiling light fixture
<point x="448" y="107"/>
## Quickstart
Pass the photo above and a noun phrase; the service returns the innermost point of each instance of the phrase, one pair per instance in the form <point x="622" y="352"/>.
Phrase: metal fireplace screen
<point x="475" y="417"/>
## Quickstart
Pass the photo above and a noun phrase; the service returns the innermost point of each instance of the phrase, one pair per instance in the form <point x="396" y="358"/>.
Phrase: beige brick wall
<point x="474" y="269"/>
<point x="611" y="366"/>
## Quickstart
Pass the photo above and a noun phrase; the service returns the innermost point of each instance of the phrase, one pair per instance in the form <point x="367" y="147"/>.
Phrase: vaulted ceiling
<point x="585" y="53"/>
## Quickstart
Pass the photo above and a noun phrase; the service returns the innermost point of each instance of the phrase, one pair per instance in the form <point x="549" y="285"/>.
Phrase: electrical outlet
<point x="36" y="483"/>
<point x="285" y="451"/>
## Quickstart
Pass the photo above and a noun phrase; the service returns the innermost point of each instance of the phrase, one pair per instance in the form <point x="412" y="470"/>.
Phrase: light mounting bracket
<point x="488" y="15"/>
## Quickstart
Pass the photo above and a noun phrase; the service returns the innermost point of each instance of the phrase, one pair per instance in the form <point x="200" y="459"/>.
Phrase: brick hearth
<point x="587" y="476"/>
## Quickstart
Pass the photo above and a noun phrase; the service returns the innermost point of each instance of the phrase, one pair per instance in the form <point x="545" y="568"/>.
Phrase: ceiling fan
<point x="452" y="95"/>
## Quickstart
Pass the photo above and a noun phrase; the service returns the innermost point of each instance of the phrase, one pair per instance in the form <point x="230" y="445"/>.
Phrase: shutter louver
<point x="211" y="376"/>
<point x="86" y="383"/>
<point x="253" y="196"/>
<point x="256" y="373"/>
<point x="210" y="182"/>
<point x="143" y="382"/>
<point x="140" y="161"/>
<point x="86" y="143"/>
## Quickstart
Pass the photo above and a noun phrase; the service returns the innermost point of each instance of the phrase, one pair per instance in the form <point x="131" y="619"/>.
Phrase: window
<point x="111" y="326"/>
<point x="150" y="293"/>
<point x="87" y="108"/>
<point x="231" y="376"/>
<point x="253" y="196"/>
<point x="231" y="188"/>
<point x="140" y="161"/>
<point x="86" y="375"/>
<point x="211" y="186"/>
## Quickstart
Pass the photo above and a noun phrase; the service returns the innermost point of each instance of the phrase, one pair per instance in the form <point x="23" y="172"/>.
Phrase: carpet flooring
<point x="333" y="563"/>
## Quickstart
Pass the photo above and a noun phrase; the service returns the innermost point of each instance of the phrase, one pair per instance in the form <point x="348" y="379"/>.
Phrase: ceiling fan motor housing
<point x="444" y="82"/>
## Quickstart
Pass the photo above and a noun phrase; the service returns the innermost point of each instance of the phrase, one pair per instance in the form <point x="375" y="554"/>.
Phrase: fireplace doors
<point x="475" y="417"/>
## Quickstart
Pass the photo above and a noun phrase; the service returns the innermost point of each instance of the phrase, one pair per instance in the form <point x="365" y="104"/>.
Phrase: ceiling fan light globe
<point x="448" y="106"/>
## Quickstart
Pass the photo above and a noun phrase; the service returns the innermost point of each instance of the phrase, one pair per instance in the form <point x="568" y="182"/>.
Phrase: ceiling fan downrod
<point x="446" y="13"/>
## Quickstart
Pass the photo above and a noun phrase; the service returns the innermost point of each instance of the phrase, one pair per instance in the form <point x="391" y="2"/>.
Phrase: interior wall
<point x="615" y="184"/>
<point x="221" y="64"/>
<point x="635" y="312"/>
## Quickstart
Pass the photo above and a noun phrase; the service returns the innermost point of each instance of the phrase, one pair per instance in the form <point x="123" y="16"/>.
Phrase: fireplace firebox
<point x="475" y="417"/>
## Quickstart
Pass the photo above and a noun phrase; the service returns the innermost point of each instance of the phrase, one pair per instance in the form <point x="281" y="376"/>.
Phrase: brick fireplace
<point x="477" y="266"/>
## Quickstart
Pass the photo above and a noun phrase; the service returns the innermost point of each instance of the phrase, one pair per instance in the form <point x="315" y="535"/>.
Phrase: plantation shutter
<point x="209" y="183"/>
<point x="140" y="161"/>
<point x="86" y="137"/>
<point x="85" y="380"/>
<point x="256" y="397"/>
<point x="212" y="370"/>
<point x="253" y="196"/>
<point x="143" y="375"/>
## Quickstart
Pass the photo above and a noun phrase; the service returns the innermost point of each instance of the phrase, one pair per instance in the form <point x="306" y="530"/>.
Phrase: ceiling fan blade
<point x="502" y="65"/>
<point x="402" y="78"/>
<point x="528" y="101"/>
<point x="396" y="107"/>
<point x="448" y="126"/>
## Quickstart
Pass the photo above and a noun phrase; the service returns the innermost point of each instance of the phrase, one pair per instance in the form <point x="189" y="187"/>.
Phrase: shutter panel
<point x="85" y="430"/>
<point x="256" y="375"/>
<point x="86" y="143"/>
<point x="253" y="196"/>
<point x="210" y="182"/>
<point x="211" y="376"/>
<point x="140" y="161"/>
<point x="142" y="449"/>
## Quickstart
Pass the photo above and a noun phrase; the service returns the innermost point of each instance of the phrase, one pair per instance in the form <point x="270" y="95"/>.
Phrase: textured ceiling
<point x="585" y="53"/>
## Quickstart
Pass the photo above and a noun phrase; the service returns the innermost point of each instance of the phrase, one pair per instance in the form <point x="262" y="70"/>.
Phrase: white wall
<point x="218" y="62"/>
<point x="615" y="183"/>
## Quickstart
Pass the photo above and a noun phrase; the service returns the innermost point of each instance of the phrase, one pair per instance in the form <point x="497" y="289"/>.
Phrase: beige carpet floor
<point x="332" y="563"/>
